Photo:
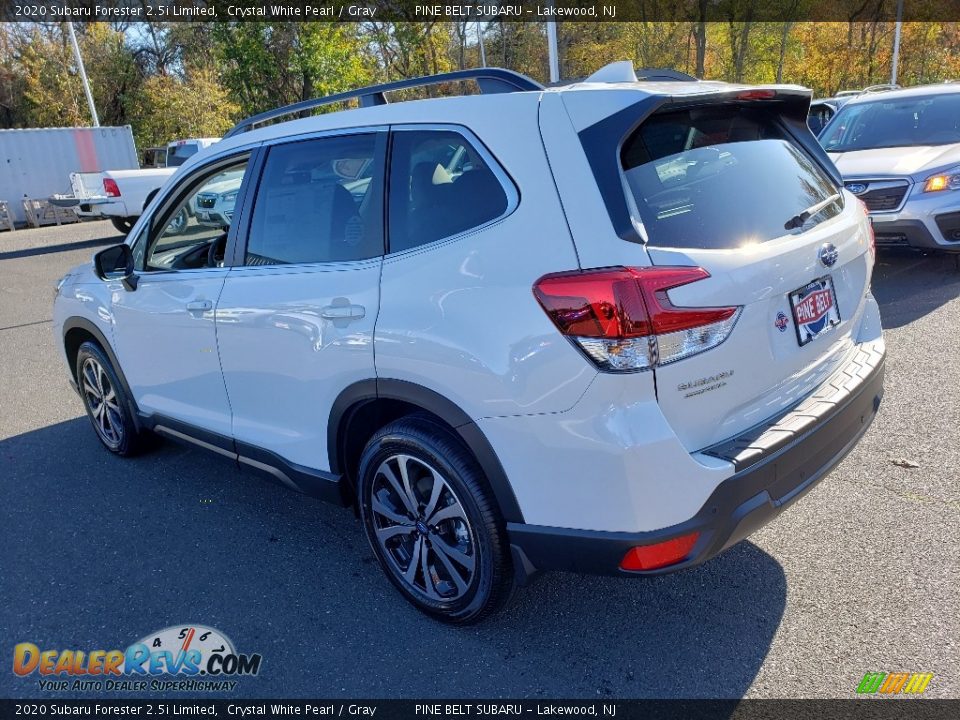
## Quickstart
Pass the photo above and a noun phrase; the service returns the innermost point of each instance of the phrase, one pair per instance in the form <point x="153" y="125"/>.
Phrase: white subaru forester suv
<point x="611" y="327"/>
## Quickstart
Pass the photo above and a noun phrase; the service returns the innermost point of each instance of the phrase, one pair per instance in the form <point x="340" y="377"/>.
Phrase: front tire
<point x="107" y="403"/>
<point x="432" y="522"/>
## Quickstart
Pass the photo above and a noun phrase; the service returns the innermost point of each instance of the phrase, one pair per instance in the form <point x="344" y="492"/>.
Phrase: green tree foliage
<point x="264" y="65"/>
<point x="52" y="91"/>
<point x="174" y="79"/>
<point x="12" y="82"/>
<point x="168" y="107"/>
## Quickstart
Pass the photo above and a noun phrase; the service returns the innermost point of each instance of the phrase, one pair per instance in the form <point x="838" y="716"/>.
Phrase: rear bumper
<point x="775" y="465"/>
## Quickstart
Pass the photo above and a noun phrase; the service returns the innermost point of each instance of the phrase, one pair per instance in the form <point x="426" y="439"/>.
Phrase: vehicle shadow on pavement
<point x="61" y="247"/>
<point x="100" y="551"/>
<point x="909" y="285"/>
<point x="699" y="633"/>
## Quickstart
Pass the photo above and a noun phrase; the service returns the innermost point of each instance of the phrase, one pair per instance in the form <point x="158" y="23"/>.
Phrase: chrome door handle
<point x="199" y="305"/>
<point x="343" y="312"/>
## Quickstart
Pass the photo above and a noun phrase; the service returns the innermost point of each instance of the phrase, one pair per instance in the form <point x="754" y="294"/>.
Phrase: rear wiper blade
<point x="798" y="220"/>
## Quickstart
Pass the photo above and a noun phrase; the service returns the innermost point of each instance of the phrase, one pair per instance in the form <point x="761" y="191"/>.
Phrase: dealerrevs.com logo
<point x="189" y="658"/>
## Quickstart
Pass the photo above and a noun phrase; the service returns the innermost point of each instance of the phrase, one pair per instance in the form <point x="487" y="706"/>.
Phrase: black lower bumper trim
<point x="949" y="226"/>
<point x="907" y="233"/>
<point x="741" y="504"/>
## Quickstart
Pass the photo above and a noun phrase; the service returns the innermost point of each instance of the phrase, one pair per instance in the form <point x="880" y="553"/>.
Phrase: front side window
<point x="723" y="177"/>
<point x="440" y="186"/>
<point x="319" y="200"/>
<point x="199" y="221"/>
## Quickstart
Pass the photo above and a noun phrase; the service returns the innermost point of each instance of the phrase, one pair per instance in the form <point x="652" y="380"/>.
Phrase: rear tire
<point x="150" y="197"/>
<point x="123" y="225"/>
<point x="431" y="520"/>
<point x="107" y="404"/>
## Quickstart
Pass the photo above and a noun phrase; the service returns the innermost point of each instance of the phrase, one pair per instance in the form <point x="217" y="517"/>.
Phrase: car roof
<point x="906" y="93"/>
<point x="605" y="93"/>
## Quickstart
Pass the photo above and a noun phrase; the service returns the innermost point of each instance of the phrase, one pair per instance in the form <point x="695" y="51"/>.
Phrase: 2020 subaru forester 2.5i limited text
<point x="611" y="327"/>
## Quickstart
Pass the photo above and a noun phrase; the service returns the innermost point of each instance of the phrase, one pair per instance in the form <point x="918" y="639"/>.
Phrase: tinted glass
<point x="319" y="201"/>
<point x="200" y="219"/>
<point x="178" y="154"/>
<point x="439" y="186"/>
<point x="928" y="120"/>
<point x="819" y="116"/>
<point x="723" y="177"/>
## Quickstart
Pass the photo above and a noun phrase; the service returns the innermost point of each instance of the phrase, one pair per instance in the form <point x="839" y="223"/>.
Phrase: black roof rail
<point x="654" y="74"/>
<point x="490" y="81"/>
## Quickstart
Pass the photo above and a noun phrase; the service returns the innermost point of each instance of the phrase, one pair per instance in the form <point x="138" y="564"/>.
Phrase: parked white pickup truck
<point x="121" y="195"/>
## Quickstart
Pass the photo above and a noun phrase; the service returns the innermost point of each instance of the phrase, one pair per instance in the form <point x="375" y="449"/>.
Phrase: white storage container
<point x="37" y="162"/>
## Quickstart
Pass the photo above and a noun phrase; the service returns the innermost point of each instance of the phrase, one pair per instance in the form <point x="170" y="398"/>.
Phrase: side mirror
<point x="116" y="263"/>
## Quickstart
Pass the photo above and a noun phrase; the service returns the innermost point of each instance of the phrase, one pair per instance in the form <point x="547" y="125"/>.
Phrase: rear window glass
<point x="723" y="177"/>
<point x="178" y="154"/>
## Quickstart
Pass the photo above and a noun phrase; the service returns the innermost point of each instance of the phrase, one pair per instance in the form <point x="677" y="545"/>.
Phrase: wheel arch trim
<point x="81" y="323"/>
<point x="364" y="391"/>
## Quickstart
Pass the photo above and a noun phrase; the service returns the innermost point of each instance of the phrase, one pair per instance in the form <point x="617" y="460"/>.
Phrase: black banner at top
<point x="513" y="11"/>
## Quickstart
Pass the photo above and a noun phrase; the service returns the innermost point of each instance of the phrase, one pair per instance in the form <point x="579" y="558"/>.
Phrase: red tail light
<point x="651" y="557"/>
<point x="624" y="320"/>
<point x="110" y="187"/>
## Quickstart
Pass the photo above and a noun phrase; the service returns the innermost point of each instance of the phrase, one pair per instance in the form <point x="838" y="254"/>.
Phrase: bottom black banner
<point x="875" y="709"/>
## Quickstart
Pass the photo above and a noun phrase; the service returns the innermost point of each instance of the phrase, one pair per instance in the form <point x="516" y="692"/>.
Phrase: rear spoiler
<point x="791" y="104"/>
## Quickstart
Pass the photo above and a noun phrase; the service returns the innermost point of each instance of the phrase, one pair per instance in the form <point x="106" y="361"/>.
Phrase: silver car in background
<point x="899" y="152"/>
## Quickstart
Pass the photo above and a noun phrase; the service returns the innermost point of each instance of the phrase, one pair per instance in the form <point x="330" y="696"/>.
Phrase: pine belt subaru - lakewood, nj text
<point x="613" y="326"/>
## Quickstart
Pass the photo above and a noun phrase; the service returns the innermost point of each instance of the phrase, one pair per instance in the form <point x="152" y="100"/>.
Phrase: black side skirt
<point x="316" y="483"/>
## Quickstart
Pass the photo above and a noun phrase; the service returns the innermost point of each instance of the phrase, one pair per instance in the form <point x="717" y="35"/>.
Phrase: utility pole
<point x="552" y="47"/>
<point x="483" y="51"/>
<point x="896" y="43"/>
<point x="83" y="74"/>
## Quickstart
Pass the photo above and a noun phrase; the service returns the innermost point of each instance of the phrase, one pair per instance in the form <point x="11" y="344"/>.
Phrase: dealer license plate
<point x="814" y="309"/>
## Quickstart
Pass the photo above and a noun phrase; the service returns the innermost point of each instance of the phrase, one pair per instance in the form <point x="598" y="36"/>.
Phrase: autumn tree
<point x="265" y="65"/>
<point x="170" y="107"/>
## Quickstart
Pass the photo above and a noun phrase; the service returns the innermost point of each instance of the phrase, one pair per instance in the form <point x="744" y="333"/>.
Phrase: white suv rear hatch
<point x="738" y="268"/>
<point x="724" y="188"/>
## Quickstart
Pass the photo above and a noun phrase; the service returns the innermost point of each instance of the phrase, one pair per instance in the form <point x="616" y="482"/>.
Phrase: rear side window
<point x="723" y="177"/>
<point x="440" y="186"/>
<point x="319" y="200"/>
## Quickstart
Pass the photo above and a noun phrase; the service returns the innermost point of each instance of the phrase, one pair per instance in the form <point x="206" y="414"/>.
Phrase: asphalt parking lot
<point x="97" y="552"/>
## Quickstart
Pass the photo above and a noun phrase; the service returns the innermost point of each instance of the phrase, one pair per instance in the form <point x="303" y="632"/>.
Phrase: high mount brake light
<point x="757" y="95"/>
<point x="110" y="187"/>
<point x="622" y="318"/>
